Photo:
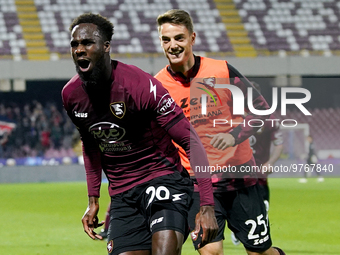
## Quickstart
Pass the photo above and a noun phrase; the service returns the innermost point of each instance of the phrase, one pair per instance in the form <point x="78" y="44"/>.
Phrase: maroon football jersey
<point x="124" y="129"/>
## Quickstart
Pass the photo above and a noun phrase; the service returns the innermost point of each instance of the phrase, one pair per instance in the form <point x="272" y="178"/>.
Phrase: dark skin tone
<point x="91" y="54"/>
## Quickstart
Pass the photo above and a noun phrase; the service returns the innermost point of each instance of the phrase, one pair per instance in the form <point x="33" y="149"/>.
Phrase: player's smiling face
<point x="176" y="42"/>
<point x="87" y="48"/>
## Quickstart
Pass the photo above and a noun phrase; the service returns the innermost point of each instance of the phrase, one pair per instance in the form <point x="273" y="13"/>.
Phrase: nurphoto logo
<point x="238" y="104"/>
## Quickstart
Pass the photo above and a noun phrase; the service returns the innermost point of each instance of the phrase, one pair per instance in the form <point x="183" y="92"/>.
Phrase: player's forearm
<point x="275" y="155"/>
<point x="185" y="136"/>
<point x="243" y="131"/>
<point x="93" y="183"/>
<point x="93" y="200"/>
<point x="93" y="169"/>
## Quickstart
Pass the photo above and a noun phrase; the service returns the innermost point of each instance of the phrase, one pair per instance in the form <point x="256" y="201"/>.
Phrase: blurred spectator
<point x="39" y="128"/>
<point x="312" y="160"/>
<point x="3" y="141"/>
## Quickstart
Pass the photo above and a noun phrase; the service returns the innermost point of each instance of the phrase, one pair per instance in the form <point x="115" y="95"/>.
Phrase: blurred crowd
<point x="41" y="131"/>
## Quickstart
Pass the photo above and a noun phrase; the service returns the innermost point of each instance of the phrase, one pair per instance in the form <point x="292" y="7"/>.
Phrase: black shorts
<point x="245" y="214"/>
<point x="264" y="189"/>
<point x="159" y="204"/>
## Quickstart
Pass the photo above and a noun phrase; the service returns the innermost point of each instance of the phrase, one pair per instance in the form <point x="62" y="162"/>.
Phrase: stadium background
<point x="277" y="43"/>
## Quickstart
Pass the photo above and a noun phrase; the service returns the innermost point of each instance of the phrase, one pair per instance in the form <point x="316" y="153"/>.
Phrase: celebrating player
<point x="237" y="196"/>
<point x="127" y="122"/>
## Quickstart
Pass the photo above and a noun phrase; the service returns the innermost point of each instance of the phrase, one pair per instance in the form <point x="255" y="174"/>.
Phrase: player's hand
<point x="90" y="219"/>
<point x="269" y="170"/>
<point x="221" y="141"/>
<point x="206" y="222"/>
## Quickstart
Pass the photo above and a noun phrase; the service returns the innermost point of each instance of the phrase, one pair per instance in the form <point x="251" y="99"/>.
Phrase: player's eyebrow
<point x="178" y="36"/>
<point x="85" y="41"/>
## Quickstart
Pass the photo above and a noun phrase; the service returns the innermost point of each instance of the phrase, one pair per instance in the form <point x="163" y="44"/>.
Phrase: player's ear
<point x="193" y="38"/>
<point x="107" y="46"/>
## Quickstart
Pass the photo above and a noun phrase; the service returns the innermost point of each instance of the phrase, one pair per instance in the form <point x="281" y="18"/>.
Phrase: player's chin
<point x="175" y="59"/>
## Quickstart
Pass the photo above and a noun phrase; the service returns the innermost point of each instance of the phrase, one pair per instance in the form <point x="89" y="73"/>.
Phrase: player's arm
<point x="277" y="141"/>
<point x="243" y="132"/>
<point x="90" y="219"/>
<point x="170" y="116"/>
<point x="93" y="168"/>
<point x="274" y="156"/>
<point x="93" y="171"/>
<point x="184" y="135"/>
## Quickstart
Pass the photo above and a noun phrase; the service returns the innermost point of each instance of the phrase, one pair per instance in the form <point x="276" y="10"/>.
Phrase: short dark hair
<point x="177" y="17"/>
<point x="105" y="27"/>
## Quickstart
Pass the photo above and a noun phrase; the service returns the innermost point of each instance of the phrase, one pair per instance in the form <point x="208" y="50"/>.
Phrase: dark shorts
<point x="160" y="204"/>
<point x="264" y="189"/>
<point x="245" y="214"/>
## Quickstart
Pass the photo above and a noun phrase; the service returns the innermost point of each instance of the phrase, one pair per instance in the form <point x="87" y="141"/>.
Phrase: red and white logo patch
<point x="110" y="246"/>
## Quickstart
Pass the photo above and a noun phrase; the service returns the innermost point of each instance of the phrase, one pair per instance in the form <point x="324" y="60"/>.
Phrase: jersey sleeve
<point x="157" y="101"/>
<point x="91" y="154"/>
<point x="244" y="131"/>
<point x="170" y="117"/>
<point x="185" y="136"/>
<point x="92" y="163"/>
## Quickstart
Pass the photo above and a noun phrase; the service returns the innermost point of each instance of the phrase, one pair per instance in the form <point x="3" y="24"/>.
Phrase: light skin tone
<point x="91" y="54"/>
<point x="177" y="42"/>
<point x="275" y="155"/>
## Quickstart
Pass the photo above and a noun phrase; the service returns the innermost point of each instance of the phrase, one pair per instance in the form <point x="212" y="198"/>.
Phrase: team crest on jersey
<point x="209" y="84"/>
<point x="210" y="81"/>
<point x="118" y="109"/>
<point x="110" y="246"/>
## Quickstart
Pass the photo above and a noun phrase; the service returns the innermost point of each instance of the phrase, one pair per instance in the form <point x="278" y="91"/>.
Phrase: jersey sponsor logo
<point x="261" y="240"/>
<point x="118" y="109"/>
<point x="153" y="89"/>
<point x="107" y="132"/>
<point x="193" y="101"/>
<point x="166" y="105"/>
<point x="110" y="246"/>
<point x="155" y="221"/>
<point x="177" y="197"/>
<point x="80" y="114"/>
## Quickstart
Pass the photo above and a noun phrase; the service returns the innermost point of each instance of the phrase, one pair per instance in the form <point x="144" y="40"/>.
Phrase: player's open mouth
<point x="176" y="53"/>
<point x="84" y="65"/>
